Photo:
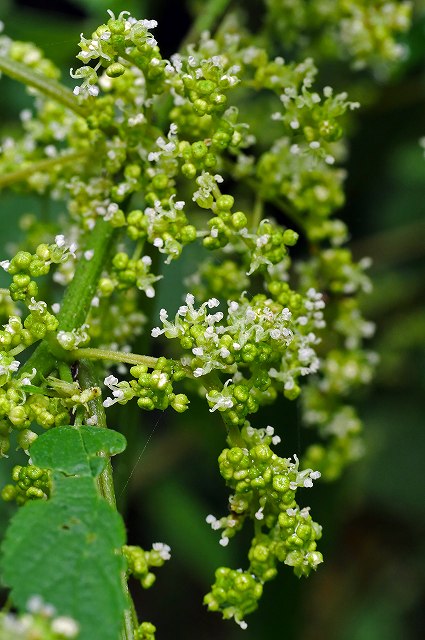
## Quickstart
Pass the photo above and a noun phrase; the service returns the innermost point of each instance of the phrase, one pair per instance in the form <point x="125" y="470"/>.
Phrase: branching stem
<point x="48" y="87"/>
<point x="41" y="165"/>
<point x="115" y="356"/>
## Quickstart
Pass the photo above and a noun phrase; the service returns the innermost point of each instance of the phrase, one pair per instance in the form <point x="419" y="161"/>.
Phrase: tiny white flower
<point x="163" y="549"/>
<point x="65" y="626"/>
<point x="110" y="381"/>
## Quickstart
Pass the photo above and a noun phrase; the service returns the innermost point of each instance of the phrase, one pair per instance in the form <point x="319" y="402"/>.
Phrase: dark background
<point x="371" y="586"/>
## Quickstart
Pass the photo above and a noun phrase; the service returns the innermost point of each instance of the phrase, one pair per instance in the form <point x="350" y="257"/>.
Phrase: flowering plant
<point x="150" y="156"/>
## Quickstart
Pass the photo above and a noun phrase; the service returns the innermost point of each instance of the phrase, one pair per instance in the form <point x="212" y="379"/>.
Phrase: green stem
<point x="77" y="300"/>
<point x="212" y="381"/>
<point x="42" y="165"/>
<point x="116" y="356"/>
<point x="46" y="86"/>
<point x="88" y="378"/>
<point x="206" y="20"/>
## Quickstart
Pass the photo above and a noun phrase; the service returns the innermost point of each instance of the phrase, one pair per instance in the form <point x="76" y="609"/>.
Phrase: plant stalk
<point x="115" y="356"/>
<point x="105" y="482"/>
<point x="77" y="299"/>
<point x="41" y="165"/>
<point x="47" y="86"/>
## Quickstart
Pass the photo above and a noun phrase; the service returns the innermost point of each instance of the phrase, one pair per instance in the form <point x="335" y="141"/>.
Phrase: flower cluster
<point x="260" y="342"/>
<point x="25" y="266"/>
<point x="152" y="390"/>
<point x="31" y="483"/>
<point x="265" y="487"/>
<point x="39" y="621"/>
<point x="123" y="36"/>
<point x="139" y="561"/>
<point x="140" y="184"/>
<point x="365" y="33"/>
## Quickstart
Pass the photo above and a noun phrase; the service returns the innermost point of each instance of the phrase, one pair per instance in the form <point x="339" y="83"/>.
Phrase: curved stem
<point x="41" y="165"/>
<point x="116" y="356"/>
<point x="46" y="86"/>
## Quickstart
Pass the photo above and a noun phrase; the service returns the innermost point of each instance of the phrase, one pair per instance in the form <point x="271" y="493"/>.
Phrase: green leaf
<point x="76" y="451"/>
<point x="66" y="550"/>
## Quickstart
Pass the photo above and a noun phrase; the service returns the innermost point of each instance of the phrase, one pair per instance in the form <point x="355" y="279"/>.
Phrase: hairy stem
<point x="41" y="165"/>
<point x="48" y="87"/>
<point x="77" y="300"/>
<point x="88" y="378"/>
<point x="116" y="356"/>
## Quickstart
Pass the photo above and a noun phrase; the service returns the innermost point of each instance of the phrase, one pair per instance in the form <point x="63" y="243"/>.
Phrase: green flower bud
<point x="188" y="170"/>
<point x="281" y="483"/>
<point x="225" y="203"/>
<point x="115" y="70"/>
<point x="290" y="237"/>
<point x="199" y="150"/>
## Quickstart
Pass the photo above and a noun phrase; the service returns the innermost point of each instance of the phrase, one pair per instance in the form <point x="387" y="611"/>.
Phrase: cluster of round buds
<point x="35" y="326"/>
<point x="123" y="36"/>
<point x="337" y="272"/>
<point x="212" y="138"/>
<point x="21" y="403"/>
<point x="153" y="390"/>
<point x="259" y="335"/>
<point x="38" y="622"/>
<point x="366" y="33"/>
<point x="235" y="594"/>
<point x="31" y="483"/>
<point x="165" y="225"/>
<point x="24" y="266"/>
<point x="265" y="485"/>
<point x="139" y="561"/>
<point x="129" y="272"/>
<point x="292" y="541"/>
<point x="338" y="452"/>
<point x="260" y="470"/>
<point x="201" y="80"/>
<point x="31" y="56"/>
<point x="70" y="340"/>
<point x="314" y="118"/>
<point x="145" y="631"/>
<point x="268" y="244"/>
<point x="226" y="279"/>
<point x="312" y="186"/>
<point x="264" y="488"/>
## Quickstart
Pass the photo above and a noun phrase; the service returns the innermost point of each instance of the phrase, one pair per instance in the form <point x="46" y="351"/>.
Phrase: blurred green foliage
<point x="372" y="584"/>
